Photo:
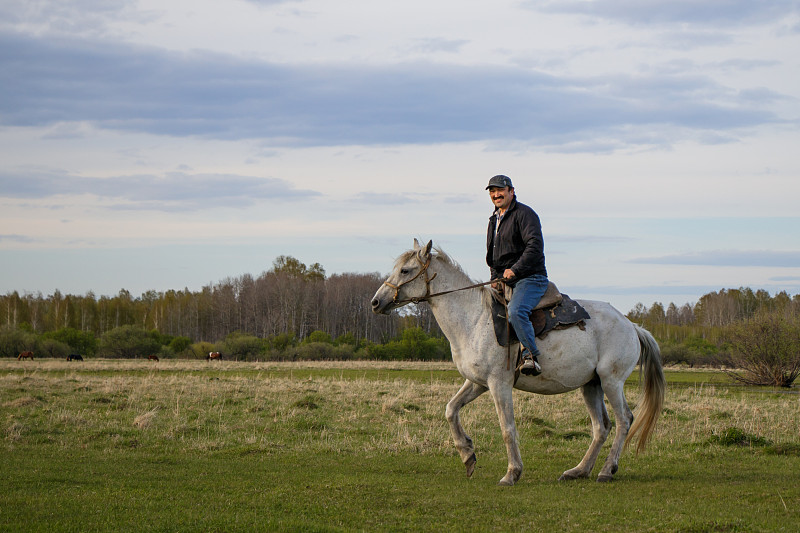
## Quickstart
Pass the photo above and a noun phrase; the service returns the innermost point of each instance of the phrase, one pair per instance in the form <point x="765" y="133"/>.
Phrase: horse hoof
<point x="570" y="475"/>
<point x="470" y="464"/>
<point x="511" y="477"/>
<point x="604" y="478"/>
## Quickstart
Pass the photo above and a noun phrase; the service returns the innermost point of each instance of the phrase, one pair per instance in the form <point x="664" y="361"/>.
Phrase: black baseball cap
<point x="500" y="182"/>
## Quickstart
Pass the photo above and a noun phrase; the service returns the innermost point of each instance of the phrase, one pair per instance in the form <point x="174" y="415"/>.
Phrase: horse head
<point x="409" y="281"/>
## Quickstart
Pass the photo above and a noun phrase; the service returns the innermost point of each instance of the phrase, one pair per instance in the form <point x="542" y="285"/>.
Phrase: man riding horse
<point x="515" y="254"/>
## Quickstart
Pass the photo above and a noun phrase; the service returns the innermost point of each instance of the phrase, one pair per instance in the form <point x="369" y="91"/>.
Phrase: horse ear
<point x="427" y="251"/>
<point x="416" y="244"/>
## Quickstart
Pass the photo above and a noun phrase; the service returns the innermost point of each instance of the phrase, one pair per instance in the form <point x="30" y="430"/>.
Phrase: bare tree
<point x="766" y="349"/>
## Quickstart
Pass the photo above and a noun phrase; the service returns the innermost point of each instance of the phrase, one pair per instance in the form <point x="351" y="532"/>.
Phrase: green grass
<point x="188" y="446"/>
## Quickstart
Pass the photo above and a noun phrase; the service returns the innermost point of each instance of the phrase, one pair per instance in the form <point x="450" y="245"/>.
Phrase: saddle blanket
<point x="566" y="314"/>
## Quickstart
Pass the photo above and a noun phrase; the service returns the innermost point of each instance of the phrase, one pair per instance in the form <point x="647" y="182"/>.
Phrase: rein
<point x="428" y="295"/>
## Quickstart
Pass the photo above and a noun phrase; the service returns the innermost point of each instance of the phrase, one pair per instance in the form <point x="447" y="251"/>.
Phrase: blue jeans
<point x="527" y="293"/>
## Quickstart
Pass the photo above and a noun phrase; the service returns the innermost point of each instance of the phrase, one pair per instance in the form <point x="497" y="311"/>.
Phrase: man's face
<point x="501" y="197"/>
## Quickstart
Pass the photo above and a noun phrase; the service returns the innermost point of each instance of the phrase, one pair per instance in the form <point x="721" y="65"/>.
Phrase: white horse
<point x="598" y="360"/>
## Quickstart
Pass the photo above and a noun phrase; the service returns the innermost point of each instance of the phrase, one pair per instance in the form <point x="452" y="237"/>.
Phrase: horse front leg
<point x="468" y="392"/>
<point x="504" y="405"/>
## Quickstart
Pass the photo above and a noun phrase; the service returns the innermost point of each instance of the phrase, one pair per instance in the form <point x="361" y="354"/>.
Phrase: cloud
<point x="434" y="45"/>
<point x="670" y="290"/>
<point x="83" y="17"/>
<point x="703" y="13"/>
<point x="733" y="258"/>
<point x="174" y="190"/>
<point x="589" y="239"/>
<point x="458" y="199"/>
<point x="384" y="198"/>
<point x="16" y="238"/>
<point x="136" y="89"/>
<point x="272" y="2"/>
<point x="737" y="64"/>
<point x="678" y="294"/>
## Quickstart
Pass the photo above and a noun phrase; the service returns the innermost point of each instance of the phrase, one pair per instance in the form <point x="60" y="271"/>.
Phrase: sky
<point x="150" y="145"/>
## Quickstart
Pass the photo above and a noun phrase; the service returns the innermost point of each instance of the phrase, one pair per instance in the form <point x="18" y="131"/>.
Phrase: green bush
<point x="693" y="351"/>
<point x="162" y="338"/>
<point x="676" y="354"/>
<point x="238" y="346"/>
<point x="53" y="348"/>
<point x="128" y="342"/>
<point x="199" y="350"/>
<point x="318" y="336"/>
<point x="80" y="342"/>
<point x="391" y="351"/>
<point x="279" y="343"/>
<point x="178" y="345"/>
<point x="321" y="351"/>
<point x="416" y="344"/>
<point x="13" y="341"/>
<point x="413" y="344"/>
<point x="346" y="338"/>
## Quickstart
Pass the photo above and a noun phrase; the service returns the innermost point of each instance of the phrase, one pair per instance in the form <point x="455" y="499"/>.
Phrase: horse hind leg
<point x="468" y="392"/>
<point x="601" y="426"/>
<point x="624" y="418"/>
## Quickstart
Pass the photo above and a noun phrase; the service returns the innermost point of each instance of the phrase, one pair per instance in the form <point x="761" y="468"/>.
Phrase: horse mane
<point x="444" y="257"/>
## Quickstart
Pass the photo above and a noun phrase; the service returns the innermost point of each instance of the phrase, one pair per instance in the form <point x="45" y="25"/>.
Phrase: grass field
<point x="194" y="446"/>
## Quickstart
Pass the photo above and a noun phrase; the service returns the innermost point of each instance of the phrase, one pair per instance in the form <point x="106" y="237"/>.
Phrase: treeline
<point x="131" y="342"/>
<point x="700" y="334"/>
<point x="275" y="315"/>
<point x="294" y="311"/>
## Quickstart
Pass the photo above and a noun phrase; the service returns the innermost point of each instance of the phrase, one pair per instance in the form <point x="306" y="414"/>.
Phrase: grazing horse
<point x="152" y="358"/>
<point x="213" y="356"/>
<point x="25" y="355"/>
<point x="597" y="360"/>
<point x="74" y="357"/>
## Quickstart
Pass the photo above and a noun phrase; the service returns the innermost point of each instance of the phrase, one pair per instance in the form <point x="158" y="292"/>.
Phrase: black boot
<point x="530" y="364"/>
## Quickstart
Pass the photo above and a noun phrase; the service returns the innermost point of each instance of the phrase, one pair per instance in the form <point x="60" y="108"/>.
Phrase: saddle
<point x="554" y="311"/>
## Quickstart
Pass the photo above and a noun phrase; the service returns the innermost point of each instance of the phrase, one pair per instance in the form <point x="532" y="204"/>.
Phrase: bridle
<point x="422" y="271"/>
<point x="428" y="295"/>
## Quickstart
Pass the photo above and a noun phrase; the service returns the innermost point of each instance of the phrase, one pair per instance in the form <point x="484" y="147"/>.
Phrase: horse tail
<point x="651" y="376"/>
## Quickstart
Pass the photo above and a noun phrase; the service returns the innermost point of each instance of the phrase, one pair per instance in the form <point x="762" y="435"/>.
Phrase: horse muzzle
<point x="383" y="302"/>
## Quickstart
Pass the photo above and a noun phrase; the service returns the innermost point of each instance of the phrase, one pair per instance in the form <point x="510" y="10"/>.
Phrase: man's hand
<point x="508" y="275"/>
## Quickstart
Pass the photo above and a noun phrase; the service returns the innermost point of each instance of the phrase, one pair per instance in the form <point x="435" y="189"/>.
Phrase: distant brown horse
<point x="213" y="356"/>
<point x="74" y="357"/>
<point x="25" y="355"/>
<point x="152" y="358"/>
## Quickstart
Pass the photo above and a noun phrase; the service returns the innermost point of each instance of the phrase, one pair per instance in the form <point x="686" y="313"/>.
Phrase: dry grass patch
<point x="317" y="446"/>
<point x="692" y="415"/>
<point x="144" y="420"/>
<point x="194" y="405"/>
<point x="22" y="401"/>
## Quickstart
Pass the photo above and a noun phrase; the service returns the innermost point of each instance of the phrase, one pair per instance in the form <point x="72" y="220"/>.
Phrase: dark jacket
<point x="518" y="244"/>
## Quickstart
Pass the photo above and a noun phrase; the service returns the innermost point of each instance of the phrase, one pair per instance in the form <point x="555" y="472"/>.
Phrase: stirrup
<point x="530" y="365"/>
